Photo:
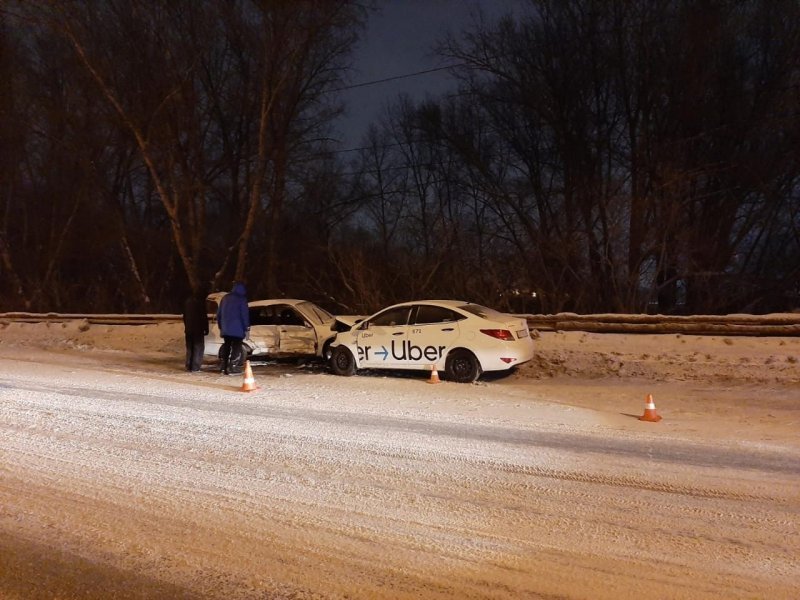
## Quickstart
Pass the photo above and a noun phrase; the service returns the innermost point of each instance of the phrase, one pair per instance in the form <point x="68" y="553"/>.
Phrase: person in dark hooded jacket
<point x="233" y="318"/>
<point x="195" y="328"/>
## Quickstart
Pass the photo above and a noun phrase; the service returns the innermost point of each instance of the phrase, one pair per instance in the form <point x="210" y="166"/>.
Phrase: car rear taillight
<point x="500" y="334"/>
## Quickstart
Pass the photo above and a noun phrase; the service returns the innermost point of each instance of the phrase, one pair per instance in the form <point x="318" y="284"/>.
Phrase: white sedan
<point x="461" y="338"/>
<point x="281" y="328"/>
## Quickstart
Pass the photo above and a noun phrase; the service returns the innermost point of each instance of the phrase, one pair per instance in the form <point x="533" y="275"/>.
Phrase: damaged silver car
<point x="282" y="328"/>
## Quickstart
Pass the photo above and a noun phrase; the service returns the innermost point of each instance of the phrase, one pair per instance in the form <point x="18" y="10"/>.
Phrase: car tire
<point x="342" y="362"/>
<point x="461" y="366"/>
<point x="326" y="351"/>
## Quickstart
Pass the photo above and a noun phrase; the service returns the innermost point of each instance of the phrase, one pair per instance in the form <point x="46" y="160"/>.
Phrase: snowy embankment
<point x="658" y="356"/>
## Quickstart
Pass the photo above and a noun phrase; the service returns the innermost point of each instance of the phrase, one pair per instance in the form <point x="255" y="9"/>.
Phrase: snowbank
<point x="574" y="354"/>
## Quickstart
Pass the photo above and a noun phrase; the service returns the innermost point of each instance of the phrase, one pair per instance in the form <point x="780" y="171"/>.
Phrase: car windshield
<point x="315" y="313"/>
<point x="483" y="312"/>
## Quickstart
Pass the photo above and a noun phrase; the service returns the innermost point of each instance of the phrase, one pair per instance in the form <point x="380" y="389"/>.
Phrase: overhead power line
<point x="396" y="77"/>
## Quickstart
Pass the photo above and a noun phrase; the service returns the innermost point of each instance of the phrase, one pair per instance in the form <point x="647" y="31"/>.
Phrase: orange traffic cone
<point x="249" y="382"/>
<point x="650" y="413"/>
<point x="434" y="375"/>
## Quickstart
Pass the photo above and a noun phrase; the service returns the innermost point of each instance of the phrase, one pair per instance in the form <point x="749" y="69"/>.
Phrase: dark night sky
<point x="398" y="40"/>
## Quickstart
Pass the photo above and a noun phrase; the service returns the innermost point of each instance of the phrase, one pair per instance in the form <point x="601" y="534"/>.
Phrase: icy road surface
<point x="121" y="476"/>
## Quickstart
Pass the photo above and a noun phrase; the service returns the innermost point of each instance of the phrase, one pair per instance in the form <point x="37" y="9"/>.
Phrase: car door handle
<point x="448" y="329"/>
<point x="399" y="333"/>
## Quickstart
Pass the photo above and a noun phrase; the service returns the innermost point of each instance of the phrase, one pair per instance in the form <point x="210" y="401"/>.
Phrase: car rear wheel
<point x="461" y="366"/>
<point x="342" y="361"/>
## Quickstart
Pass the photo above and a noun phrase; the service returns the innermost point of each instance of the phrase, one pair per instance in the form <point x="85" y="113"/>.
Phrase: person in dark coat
<point x="195" y="328"/>
<point x="233" y="318"/>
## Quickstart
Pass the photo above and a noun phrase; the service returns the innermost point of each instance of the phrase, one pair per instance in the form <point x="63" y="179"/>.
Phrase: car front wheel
<point x="461" y="366"/>
<point x="326" y="351"/>
<point x="342" y="361"/>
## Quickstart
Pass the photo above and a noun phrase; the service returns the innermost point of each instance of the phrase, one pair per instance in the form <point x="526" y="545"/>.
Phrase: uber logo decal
<point x="403" y="351"/>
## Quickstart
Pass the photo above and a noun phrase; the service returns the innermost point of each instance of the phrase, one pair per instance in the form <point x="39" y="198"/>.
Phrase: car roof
<point x="446" y="303"/>
<point x="270" y="302"/>
<point x="217" y="296"/>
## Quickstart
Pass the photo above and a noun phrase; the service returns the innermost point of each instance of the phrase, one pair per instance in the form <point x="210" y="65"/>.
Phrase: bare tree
<point x="638" y="130"/>
<point x="161" y="78"/>
<point x="12" y="143"/>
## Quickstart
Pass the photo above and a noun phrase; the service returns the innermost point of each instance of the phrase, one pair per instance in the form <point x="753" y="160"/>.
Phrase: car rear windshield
<point x="483" y="312"/>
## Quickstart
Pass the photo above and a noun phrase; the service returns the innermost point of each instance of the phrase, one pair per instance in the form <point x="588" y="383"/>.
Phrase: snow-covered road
<point x="125" y="477"/>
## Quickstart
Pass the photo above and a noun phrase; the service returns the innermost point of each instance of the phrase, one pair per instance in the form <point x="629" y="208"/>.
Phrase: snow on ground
<point x="123" y="476"/>
<point x="725" y="382"/>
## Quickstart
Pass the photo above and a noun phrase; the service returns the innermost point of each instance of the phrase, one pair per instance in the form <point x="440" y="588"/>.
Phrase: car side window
<point x="273" y="314"/>
<point x="260" y="316"/>
<point x="391" y="318"/>
<point x="289" y="316"/>
<point x="427" y="314"/>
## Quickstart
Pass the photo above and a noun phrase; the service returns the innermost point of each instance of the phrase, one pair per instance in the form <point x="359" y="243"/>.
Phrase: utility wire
<point x="395" y="77"/>
<point x="539" y="44"/>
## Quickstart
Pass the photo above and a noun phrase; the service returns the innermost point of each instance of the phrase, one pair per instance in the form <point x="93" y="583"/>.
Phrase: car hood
<point x="345" y="322"/>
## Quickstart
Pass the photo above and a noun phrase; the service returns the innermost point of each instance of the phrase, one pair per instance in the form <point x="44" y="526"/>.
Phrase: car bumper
<point x="506" y="356"/>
